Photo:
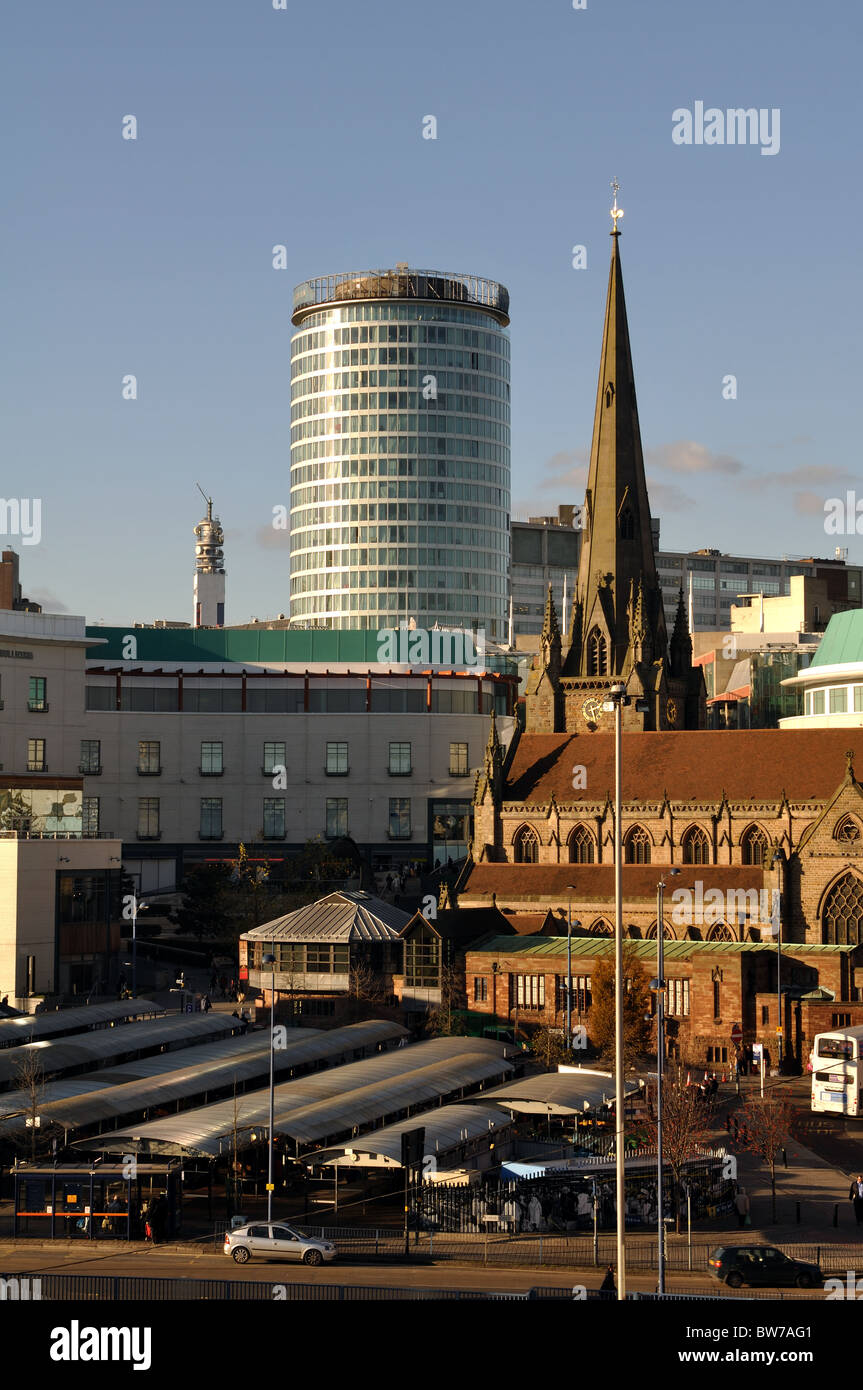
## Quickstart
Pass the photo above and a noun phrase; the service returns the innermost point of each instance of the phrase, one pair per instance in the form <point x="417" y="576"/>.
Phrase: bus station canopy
<point x="89" y="1049"/>
<point x="327" y="1104"/>
<point x="61" y="1022"/>
<point x="197" y="1071"/>
<point x="558" y="1093"/>
<point x="446" y="1128"/>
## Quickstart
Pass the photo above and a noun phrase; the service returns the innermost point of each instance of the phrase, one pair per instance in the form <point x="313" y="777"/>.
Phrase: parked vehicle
<point x="736" y="1265"/>
<point x="276" y="1241"/>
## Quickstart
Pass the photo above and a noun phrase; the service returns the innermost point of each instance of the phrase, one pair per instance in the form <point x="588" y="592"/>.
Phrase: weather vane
<point x="615" y="211"/>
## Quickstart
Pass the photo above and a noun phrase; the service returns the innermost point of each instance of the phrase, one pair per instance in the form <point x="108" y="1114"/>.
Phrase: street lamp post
<point x="570" y="890"/>
<point x="136" y="908"/>
<point x="659" y="986"/>
<point x="614" y="700"/>
<point x="776" y="863"/>
<point x="270" y="959"/>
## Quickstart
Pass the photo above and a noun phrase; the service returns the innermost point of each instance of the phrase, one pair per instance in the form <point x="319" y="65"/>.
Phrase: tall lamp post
<point x="270" y="959"/>
<point x="776" y="863"/>
<point x="613" y="702"/>
<point x="658" y="985"/>
<point x="136" y="908"/>
<point x="570" y="888"/>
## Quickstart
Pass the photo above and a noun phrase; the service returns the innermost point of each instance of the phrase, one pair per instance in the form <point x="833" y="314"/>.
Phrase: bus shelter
<point x="94" y="1202"/>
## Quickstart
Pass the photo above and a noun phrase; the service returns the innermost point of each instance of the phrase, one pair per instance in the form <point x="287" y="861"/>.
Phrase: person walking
<point x="608" y="1288"/>
<point x="741" y="1206"/>
<point x="856" y="1195"/>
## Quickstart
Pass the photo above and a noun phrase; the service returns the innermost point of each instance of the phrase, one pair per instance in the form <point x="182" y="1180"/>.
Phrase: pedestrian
<point x="608" y="1288"/>
<point x="206" y="1004"/>
<point x="233" y="988"/>
<point x="741" y="1206"/>
<point x="856" y="1195"/>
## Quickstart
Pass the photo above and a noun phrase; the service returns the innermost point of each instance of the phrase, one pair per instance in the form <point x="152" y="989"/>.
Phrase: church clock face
<point x="671" y="711"/>
<point x="592" y="710"/>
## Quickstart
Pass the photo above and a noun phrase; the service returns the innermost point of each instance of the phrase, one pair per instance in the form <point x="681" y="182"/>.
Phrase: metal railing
<point x="403" y="282"/>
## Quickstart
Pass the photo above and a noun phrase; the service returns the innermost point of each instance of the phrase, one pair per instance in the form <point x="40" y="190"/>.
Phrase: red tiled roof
<point x="596" y="881"/>
<point x="526" y="923"/>
<point x="757" y="763"/>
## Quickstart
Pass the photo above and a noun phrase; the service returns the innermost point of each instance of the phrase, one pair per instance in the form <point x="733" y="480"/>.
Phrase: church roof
<point x="842" y="642"/>
<point x="672" y="950"/>
<point x="697" y="765"/>
<point x="596" y="881"/>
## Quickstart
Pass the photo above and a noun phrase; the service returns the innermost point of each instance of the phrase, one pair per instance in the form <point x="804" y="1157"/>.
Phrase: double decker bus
<point x="837" y="1072"/>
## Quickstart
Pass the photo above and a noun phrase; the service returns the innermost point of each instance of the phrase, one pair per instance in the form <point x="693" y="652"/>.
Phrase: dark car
<point x="761" y="1264"/>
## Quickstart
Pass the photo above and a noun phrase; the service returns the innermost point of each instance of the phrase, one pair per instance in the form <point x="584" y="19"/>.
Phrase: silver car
<point x="276" y="1241"/>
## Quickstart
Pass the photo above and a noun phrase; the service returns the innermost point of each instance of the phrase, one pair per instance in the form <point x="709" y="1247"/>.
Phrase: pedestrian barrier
<point x="96" y="1288"/>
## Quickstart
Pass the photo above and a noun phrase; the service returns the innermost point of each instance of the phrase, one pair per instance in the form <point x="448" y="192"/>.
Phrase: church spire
<point x="680" y="647"/>
<point x="617" y="552"/>
<point x="549" y="638"/>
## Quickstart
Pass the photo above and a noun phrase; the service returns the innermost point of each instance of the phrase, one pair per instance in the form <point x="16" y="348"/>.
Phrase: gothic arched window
<point x="597" y="653"/>
<point x="720" y="931"/>
<point x="754" y="845"/>
<point x="842" y="914"/>
<point x="848" y="830"/>
<point x="525" y="846"/>
<point x="601" y="928"/>
<point x="581" y="846"/>
<point x="696" y="846"/>
<point x="668" y="933"/>
<point x="637" y="846"/>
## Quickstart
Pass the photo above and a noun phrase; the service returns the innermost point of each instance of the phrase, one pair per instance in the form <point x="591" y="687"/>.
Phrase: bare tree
<point x="30" y="1084"/>
<point x="766" y="1124"/>
<point x="686" y="1125"/>
<point x="548" y="1045"/>
<point x="366" y="991"/>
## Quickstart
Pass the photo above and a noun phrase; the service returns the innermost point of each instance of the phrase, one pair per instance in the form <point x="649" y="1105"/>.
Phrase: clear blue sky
<point x="304" y="127"/>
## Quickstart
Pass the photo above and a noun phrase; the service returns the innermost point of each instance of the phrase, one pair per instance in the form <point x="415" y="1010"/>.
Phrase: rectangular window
<point x="678" y="998"/>
<point x="400" y="818"/>
<point x="458" y="763"/>
<point x="817" y="701"/>
<point x="716" y="1010"/>
<point x="582" y="996"/>
<point x="337" y="817"/>
<point x="527" y="992"/>
<point x="274" y="817"/>
<point x="858" y="698"/>
<point x="400" y="760"/>
<point x="839" y="700"/>
<point x="274" y="756"/>
<point x="422" y="959"/>
<point x="211" y="760"/>
<point x="36" y="755"/>
<point x="148" y="818"/>
<point x="765" y="1015"/>
<point x="91" y="756"/>
<point x="36" y="700"/>
<point x="149" y="759"/>
<point x="480" y="989"/>
<point x="211" y="818"/>
<point x="337" y="760"/>
<point x="90" y="817"/>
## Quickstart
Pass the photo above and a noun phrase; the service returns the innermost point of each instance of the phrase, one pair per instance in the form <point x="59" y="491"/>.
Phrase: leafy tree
<point x="637" y="1024"/>
<point x="207" y="902"/>
<point x="548" y="1045"/>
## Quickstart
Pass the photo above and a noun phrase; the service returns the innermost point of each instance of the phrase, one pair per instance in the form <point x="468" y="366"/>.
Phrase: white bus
<point x="837" y="1072"/>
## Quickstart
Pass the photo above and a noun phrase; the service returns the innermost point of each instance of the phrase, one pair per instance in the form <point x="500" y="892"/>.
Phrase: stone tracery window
<point x="696" y="846"/>
<point x="848" y="830"/>
<point x="637" y="846"/>
<point x="525" y="845"/>
<point x="754" y="845"/>
<point x="581" y="846"/>
<point x="842" y="914"/>
<point x="597" y="653"/>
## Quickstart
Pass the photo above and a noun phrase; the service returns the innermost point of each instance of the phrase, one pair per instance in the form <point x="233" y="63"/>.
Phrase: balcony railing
<point x="337" y="772"/>
<point x="89" y="771"/>
<point x="211" y="835"/>
<point x="38" y="706"/>
<point x="57" y="835"/>
<point x="400" y="771"/>
<point x="37" y="767"/>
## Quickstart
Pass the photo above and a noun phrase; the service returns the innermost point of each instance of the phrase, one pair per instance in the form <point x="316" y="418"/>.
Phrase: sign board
<point x="271" y="1187"/>
<point x="736" y="1034"/>
<point x="758" y="1053"/>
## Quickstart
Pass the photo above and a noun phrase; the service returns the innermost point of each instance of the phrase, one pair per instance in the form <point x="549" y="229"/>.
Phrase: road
<point x="155" y="1264"/>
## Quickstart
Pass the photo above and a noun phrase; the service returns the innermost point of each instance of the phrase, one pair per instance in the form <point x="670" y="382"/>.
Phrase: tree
<point x="366" y="992"/>
<point x="207" y="902"/>
<point x="30" y="1084"/>
<point x="686" y="1126"/>
<point x="637" y="1024"/>
<point x="766" y="1124"/>
<point x="549" y="1047"/>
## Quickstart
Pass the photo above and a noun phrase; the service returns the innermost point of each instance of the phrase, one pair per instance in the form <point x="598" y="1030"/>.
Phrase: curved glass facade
<point x="400" y="452"/>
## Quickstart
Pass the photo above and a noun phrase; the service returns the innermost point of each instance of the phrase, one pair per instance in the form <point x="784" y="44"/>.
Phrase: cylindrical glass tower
<point x="400" y="451"/>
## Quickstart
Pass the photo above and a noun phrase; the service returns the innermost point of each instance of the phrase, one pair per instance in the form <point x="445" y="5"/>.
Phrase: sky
<point x="303" y="127"/>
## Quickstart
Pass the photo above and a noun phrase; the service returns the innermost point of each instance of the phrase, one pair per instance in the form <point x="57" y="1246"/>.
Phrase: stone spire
<point x="617" y="551"/>
<point x="494" y="761"/>
<point x="550" y="639"/>
<point x="681" y="640"/>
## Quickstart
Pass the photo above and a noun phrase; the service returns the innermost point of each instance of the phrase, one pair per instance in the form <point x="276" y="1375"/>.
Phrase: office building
<point x="400" y="451"/>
